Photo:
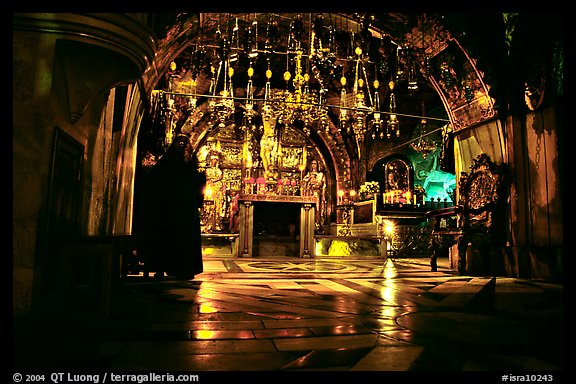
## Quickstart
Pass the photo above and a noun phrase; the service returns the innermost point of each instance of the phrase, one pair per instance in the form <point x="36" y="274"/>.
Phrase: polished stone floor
<point x="289" y="314"/>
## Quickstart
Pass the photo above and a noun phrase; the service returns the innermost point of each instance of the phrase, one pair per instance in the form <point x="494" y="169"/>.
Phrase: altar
<point x="249" y="207"/>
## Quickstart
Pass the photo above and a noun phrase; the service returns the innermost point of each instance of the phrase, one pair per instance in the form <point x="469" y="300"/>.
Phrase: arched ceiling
<point x="394" y="46"/>
<point x="196" y="36"/>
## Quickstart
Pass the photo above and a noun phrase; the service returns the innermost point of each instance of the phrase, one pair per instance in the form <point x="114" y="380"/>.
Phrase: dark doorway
<point x="64" y="205"/>
<point x="276" y="229"/>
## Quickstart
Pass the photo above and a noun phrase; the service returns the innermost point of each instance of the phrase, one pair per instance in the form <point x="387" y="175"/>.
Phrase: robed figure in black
<point x="176" y="188"/>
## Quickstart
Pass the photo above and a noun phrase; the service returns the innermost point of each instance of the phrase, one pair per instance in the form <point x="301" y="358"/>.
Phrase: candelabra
<point x="316" y="58"/>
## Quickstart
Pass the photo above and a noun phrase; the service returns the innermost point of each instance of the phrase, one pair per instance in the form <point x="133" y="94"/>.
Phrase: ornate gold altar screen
<point x="256" y="109"/>
<point x="249" y="82"/>
<point x="237" y="172"/>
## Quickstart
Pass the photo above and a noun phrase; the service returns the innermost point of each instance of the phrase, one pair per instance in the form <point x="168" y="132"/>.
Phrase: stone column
<point x="246" y="229"/>
<point x="307" y="243"/>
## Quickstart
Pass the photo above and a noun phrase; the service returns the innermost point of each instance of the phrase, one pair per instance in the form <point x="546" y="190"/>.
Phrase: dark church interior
<point x="355" y="192"/>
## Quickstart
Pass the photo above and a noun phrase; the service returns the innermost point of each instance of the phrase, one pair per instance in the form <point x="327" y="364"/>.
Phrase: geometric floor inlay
<point x="285" y="314"/>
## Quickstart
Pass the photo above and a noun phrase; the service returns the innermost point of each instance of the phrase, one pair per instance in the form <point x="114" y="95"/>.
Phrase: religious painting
<point x="398" y="182"/>
<point x="397" y="176"/>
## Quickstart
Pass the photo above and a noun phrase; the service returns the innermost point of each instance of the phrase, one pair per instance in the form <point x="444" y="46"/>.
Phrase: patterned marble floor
<point x="333" y="314"/>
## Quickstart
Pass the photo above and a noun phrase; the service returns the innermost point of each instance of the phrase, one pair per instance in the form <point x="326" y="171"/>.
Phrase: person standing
<point x="176" y="195"/>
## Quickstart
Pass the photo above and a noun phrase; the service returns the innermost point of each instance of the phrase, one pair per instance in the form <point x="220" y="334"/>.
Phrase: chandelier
<point x="423" y="144"/>
<point x="221" y="104"/>
<point x="314" y="59"/>
<point x="299" y="105"/>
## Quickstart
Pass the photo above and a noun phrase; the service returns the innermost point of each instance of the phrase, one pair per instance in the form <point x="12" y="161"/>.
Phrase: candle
<point x="352" y="194"/>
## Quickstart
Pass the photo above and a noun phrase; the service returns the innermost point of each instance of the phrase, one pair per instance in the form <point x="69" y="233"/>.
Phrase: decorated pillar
<point x="246" y="225"/>
<point x="307" y="243"/>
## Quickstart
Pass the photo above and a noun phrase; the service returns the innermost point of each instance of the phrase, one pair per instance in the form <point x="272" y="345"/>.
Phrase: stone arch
<point x="459" y="84"/>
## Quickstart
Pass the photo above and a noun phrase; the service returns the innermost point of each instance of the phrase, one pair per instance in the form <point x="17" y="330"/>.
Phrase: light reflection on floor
<point x="326" y="314"/>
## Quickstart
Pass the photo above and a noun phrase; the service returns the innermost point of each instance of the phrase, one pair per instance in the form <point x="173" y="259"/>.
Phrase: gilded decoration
<point x="270" y="161"/>
<point x="479" y="188"/>
<point x="271" y="151"/>
<point x="290" y="136"/>
<point x="462" y="85"/>
<point x="291" y="157"/>
<point x="232" y="155"/>
<point x="269" y="145"/>
<point x="314" y="184"/>
<point x="233" y="180"/>
<point x="221" y="162"/>
<point x="408" y="241"/>
<point x="214" y="194"/>
<point x="480" y="191"/>
<point x="428" y="37"/>
<point x="398" y="184"/>
<point x="482" y="215"/>
<point x="475" y="112"/>
<point x="227" y="132"/>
